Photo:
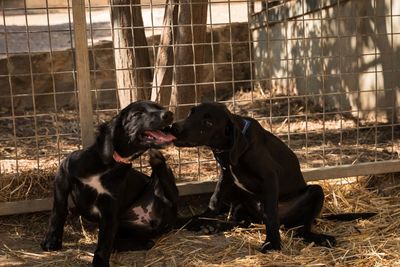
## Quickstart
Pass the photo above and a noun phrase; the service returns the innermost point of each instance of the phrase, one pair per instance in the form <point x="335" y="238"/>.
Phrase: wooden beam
<point x="359" y="169"/>
<point x="25" y="206"/>
<point x="83" y="73"/>
<point x="196" y="188"/>
<point x="204" y="187"/>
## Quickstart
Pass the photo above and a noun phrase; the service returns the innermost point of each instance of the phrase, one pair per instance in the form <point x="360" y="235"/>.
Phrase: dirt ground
<point x="371" y="242"/>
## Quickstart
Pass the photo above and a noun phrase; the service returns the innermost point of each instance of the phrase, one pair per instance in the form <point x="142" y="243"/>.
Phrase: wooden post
<point x="128" y="31"/>
<point x="188" y="54"/>
<point x="83" y="73"/>
<point x="163" y="67"/>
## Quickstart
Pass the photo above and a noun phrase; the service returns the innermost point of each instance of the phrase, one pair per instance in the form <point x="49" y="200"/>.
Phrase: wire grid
<point x="278" y="71"/>
<point x="350" y="140"/>
<point x="31" y="115"/>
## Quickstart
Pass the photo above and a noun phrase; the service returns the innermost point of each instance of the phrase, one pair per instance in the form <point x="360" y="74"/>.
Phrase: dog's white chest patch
<point x="143" y="214"/>
<point x="95" y="211"/>
<point x="236" y="181"/>
<point x="95" y="183"/>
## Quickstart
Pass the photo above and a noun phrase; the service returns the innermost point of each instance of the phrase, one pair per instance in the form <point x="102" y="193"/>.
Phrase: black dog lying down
<point x="260" y="175"/>
<point x="130" y="207"/>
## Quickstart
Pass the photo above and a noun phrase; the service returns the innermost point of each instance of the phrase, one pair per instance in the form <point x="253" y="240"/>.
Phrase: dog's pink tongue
<point x="161" y="136"/>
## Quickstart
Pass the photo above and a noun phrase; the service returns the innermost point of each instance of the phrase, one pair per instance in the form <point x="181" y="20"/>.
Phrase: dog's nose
<point x="167" y="116"/>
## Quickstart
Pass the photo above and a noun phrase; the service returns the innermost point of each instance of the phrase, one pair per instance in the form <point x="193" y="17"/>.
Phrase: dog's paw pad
<point x="50" y="246"/>
<point x="207" y="229"/>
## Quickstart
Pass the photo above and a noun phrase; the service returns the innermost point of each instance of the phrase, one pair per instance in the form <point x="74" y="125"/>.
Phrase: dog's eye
<point x="136" y="114"/>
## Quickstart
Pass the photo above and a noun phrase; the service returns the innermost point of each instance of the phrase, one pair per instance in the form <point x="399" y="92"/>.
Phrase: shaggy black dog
<point x="129" y="206"/>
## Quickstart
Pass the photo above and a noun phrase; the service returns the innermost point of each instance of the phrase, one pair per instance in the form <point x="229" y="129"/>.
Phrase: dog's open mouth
<point x="158" y="136"/>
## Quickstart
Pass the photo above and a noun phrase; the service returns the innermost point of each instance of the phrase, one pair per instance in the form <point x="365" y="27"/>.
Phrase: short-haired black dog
<point x="260" y="175"/>
<point x="129" y="206"/>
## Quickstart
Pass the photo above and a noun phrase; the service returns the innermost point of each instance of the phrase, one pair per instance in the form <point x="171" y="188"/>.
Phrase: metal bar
<point x="10" y="82"/>
<point x="57" y="128"/>
<point x="83" y="72"/>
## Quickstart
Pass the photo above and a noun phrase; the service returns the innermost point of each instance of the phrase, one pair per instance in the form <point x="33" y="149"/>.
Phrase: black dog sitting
<point x="260" y="175"/>
<point x="130" y="207"/>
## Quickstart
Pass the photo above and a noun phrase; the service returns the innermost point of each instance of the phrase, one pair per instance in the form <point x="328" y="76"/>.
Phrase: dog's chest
<point x="223" y="160"/>
<point x="94" y="182"/>
<point x="237" y="181"/>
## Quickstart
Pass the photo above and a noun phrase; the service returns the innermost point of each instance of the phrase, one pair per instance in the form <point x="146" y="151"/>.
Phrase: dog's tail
<point x="349" y="216"/>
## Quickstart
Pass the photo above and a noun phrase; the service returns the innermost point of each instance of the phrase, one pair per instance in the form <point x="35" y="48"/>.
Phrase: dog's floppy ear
<point x="239" y="142"/>
<point x="105" y="141"/>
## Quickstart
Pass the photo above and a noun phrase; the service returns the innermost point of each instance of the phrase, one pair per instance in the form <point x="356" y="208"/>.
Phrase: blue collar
<point x="246" y="126"/>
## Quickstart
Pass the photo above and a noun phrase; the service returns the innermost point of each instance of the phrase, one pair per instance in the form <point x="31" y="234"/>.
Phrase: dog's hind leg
<point x="302" y="211"/>
<point x="53" y="238"/>
<point x="131" y="238"/>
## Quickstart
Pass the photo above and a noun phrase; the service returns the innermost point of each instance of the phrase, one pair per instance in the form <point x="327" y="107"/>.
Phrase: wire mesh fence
<point x="321" y="75"/>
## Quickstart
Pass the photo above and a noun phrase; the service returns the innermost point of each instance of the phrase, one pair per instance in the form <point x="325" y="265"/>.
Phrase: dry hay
<point x="372" y="242"/>
<point x="30" y="184"/>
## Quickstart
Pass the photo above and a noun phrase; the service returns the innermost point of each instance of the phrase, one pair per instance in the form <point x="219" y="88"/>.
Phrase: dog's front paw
<point x="156" y="157"/>
<point x="208" y="229"/>
<point x="51" y="244"/>
<point x="209" y="226"/>
<point x="99" y="261"/>
<point x="198" y="225"/>
<point x="268" y="246"/>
